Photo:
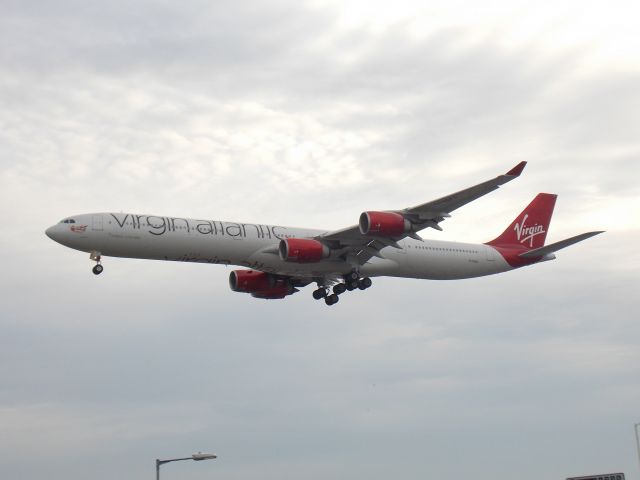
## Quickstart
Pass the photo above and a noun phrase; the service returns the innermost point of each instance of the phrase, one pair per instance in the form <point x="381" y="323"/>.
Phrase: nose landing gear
<point x="95" y="256"/>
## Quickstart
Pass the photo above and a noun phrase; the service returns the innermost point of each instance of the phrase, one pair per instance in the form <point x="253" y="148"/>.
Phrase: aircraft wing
<point x="442" y="207"/>
<point x="358" y="247"/>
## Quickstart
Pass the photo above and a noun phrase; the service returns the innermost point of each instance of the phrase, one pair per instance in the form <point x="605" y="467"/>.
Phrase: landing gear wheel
<point x="353" y="276"/>
<point x="95" y="257"/>
<point x="331" y="299"/>
<point x="319" y="293"/>
<point x="364" y="283"/>
<point x="352" y="285"/>
<point x="339" y="288"/>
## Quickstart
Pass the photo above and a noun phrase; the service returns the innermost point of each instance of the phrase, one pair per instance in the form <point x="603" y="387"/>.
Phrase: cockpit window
<point x="68" y="220"/>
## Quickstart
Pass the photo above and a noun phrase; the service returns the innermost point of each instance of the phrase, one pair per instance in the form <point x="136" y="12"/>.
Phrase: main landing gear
<point x="331" y="299"/>
<point x="95" y="256"/>
<point x="351" y="281"/>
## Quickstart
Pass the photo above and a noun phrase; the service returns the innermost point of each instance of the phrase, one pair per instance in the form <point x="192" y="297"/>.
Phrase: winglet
<point x="517" y="170"/>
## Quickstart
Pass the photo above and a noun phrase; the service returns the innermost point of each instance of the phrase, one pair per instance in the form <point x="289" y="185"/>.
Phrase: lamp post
<point x="196" y="456"/>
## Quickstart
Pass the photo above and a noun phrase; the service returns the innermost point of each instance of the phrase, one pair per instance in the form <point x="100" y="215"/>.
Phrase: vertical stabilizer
<point x="529" y="229"/>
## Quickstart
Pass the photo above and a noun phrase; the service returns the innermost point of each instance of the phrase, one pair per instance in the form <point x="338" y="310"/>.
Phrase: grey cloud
<point x="121" y="38"/>
<point x="244" y="111"/>
<point x="439" y="98"/>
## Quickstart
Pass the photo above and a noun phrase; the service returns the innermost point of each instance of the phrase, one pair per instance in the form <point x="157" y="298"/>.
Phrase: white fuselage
<point x="255" y="246"/>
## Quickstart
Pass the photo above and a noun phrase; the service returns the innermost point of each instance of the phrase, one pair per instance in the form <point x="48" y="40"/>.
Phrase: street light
<point x="196" y="456"/>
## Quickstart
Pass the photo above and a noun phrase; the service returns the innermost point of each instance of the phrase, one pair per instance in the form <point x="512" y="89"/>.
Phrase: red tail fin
<point x="529" y="229"/>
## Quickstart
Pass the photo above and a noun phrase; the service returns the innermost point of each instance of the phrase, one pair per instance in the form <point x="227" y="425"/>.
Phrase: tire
<point x="364" y="283"/>
<point x="331" y="299"/>
<point x="97" y="270"/>
<point x="319" y="293"/>
<point x="339" y="288"/>
<point x="352" y="276"/>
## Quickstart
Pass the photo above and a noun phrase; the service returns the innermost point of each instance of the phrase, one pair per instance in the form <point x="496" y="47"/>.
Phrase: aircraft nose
<point x="50" y="232"/>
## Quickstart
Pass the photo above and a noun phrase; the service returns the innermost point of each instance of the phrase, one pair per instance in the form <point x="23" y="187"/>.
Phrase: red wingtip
<point x="517" y="170"/>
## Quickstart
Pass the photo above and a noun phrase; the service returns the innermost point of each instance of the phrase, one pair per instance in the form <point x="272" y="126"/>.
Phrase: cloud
<point x="306" y="115"/>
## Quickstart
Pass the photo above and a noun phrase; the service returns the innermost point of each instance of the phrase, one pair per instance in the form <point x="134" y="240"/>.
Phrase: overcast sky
<point x="307" y="113"/>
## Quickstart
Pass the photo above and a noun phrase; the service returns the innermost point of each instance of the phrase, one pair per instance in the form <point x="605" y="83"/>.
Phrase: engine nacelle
<point x="260" y="284"/>
<point x="250" y="281"/>
<point x="302" y="250"/>
<point x="386" y="224"/>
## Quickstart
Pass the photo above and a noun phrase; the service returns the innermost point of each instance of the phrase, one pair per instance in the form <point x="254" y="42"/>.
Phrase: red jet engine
<point x="385" y="224"/>
<point x="302" y="250"/>
<point x="259" y="284"/>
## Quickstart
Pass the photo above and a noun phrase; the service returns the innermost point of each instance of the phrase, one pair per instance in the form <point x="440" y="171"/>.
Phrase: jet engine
<point x="260" y="284"/>
<point x="386" y="224"/>
<point x="302" y="250"/>
<point x="249" y="281"/>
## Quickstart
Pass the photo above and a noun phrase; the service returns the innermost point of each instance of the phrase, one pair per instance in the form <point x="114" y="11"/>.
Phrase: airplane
<point x="278" y="261"/>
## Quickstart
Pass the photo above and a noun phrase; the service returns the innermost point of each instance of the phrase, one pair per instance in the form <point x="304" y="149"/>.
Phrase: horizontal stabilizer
<point x="547" y="249"/>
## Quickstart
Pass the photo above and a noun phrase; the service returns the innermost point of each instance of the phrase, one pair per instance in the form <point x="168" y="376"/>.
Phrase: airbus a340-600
<point x="278" y="261"/>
